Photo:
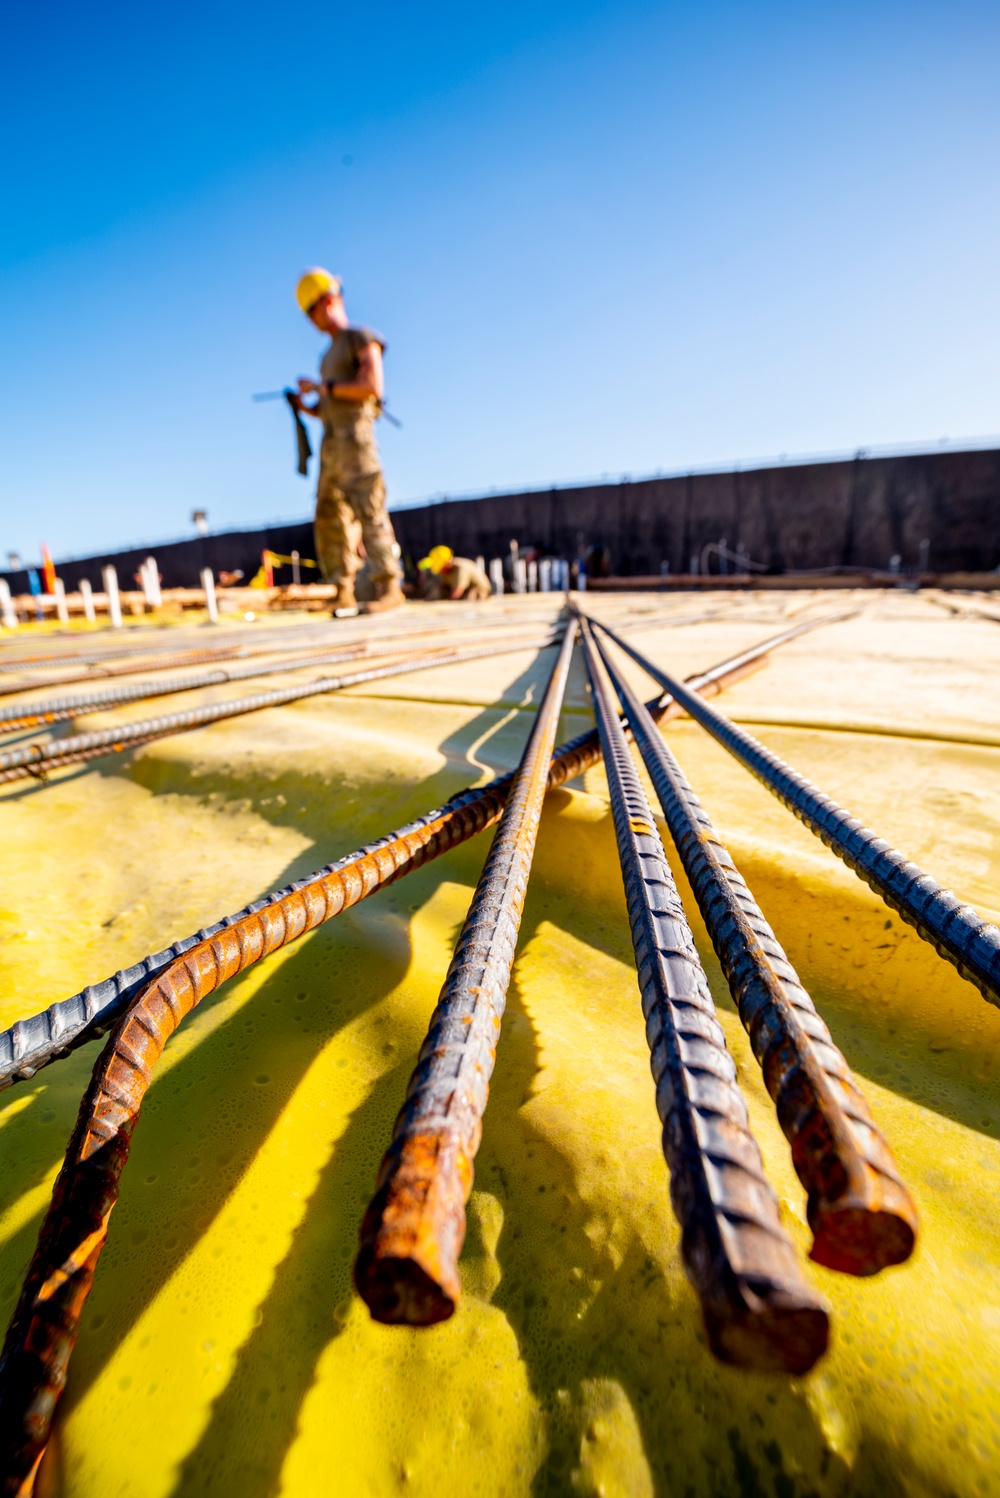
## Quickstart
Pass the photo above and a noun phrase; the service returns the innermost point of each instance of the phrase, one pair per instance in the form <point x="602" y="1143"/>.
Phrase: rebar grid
<point x="759" y="1311"/>
<point x="149" y="659"/>
<point x="38" y="759"/>
<point x="45" y="1325"/>
<point x="58" y="709"/>
<point x="407" y="1267"/>
<point x="956" y="931"/>
<point x="32" y="1043"/>
<point x="860" y="1212"/>
<point x="39" y="1343"/>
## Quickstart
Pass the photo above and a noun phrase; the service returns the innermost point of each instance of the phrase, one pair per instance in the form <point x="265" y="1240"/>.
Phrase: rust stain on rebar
<point x="862" y="1217"/>
<point x="412" y="1234"/>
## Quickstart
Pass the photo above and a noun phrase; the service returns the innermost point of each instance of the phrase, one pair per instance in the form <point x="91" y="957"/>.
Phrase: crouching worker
<point x="351" y="489"/>
<point x="444" y="575"/>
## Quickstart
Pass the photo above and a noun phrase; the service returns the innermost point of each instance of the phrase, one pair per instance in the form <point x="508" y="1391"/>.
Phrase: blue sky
<point x="598" y="238"/>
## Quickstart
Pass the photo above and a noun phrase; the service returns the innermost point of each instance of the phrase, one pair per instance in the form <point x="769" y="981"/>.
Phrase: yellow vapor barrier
<point x="223" y="1349"/>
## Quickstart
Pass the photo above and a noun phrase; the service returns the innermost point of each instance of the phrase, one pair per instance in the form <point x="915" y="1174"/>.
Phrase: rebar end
<point x="406" y="1271"/>
<point x="784" y="1333"/>
<point x="399" y="1291"/>
<point x="855" y="1239"/>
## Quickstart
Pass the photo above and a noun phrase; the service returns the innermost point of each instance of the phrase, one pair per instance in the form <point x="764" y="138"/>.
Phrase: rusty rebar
<point x="758" y="1309"/>
<point x="146" y="1003"/>
<point x="407" y="1267"/>
<point x="34" y="1042"/>
<point x="37" y="759"/>
<point x="149" y="660"/>
<point x="43" y="1331"/>
<point x="861" y="1215"/>
<point x="956" y="931"/>
<point x="58" y="709"/>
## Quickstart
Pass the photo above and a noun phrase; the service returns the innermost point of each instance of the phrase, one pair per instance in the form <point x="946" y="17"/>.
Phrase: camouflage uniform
<point x="350" y="494"/>
<point x="460" y="579"/>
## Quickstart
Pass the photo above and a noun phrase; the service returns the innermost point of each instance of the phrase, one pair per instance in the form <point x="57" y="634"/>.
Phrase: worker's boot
<point x="345" y="603"/>
<point x="388" y="595"/>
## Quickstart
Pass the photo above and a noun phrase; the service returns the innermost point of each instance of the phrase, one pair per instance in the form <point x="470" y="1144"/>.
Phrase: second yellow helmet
<point x="313" y="284"/>
<point x="437" y="559"/>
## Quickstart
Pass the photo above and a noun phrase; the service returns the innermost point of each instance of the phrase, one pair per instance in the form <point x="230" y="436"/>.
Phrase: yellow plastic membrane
<point x="223" y="1350"/>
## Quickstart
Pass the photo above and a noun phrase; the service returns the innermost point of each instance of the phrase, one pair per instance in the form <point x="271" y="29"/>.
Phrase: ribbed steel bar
<point x="242" y="642"/>
<point x="861" y="1214"/>
<point x="32" y="1043"/>
<point x="44" y="1328"/>
<point x="36" y="759"/>
<point x="361" y="641"/>
<point x="151" y="664"/>
<point x="97" y="658"/>
<point x="130" y="667"/>
<point x="759" y="1311"/>
<point x="58" y="709"/>
<point x="956" y="931"/>
<point x="413" y="1231"/>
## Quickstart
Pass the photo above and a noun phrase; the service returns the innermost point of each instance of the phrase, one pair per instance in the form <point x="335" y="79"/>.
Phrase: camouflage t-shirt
<point x="340" y="365"/>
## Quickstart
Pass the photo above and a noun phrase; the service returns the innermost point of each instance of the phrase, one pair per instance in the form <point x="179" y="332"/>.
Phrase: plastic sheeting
<point x="223" y="1349"/>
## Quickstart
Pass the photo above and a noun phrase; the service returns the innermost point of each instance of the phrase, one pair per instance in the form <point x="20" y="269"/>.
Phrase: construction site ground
<point x="223" y="1349"/>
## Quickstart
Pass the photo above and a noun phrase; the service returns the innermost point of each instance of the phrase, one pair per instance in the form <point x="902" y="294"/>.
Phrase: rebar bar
<point x="759" y="1311"/>
<point x="407" y="1267"/>
<point x="45" y="1325"/>
<point x="34" y="1362"/>
<point x="56" y="709"/>
<point x="148" y="661"/>
<point x="37" y="759"/>
<point x="860" y="1212"/>
<point x="955" y="930"/>
<point x="32" y="1043"/>
<point x="152" y="662"/>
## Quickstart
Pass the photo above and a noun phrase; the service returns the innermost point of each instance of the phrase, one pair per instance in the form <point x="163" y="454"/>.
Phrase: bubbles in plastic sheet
<point x="223" y="1331"/>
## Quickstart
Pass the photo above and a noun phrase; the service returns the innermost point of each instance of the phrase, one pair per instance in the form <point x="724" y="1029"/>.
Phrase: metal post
<point x="208" y="583"/>
<point x="7" y="613"/>
<point x="496" y="576"/>
<point x="296" y="570"/>
<point x="62" y="611"/>
<point x="87" y="594"/>
<point x="520" y="576"/>
<point x="110" y="578"/>
<point x="545" y="575"/>
<point x="532" y="577"/>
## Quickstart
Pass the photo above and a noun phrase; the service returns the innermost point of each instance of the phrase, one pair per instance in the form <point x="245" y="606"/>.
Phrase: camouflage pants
<point x="350" y="501"/>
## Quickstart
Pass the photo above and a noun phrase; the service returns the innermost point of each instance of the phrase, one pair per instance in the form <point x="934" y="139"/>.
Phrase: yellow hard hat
<point x="437" y="559"/>
<point x="313" y="284"/>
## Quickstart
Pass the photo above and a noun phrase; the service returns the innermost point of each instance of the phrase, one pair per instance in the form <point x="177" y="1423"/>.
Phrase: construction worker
<point x="351" y="490"/>
<point x="444" y="575"/>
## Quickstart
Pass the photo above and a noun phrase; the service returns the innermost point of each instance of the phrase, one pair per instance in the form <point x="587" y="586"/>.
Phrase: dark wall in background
<point x="851" y="513"/>
<point x="855" y="513"/>
<point x="180" y="562"/>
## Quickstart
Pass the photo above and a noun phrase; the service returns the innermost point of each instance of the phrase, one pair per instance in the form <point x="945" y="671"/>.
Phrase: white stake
<point x="150" y="577"/>
<point x="7" y="613"/>
<point x="110" y="577"/>
<point x="208" y="583"/>
<point x="60" y="596"/>
<point x="87" y="594"/>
